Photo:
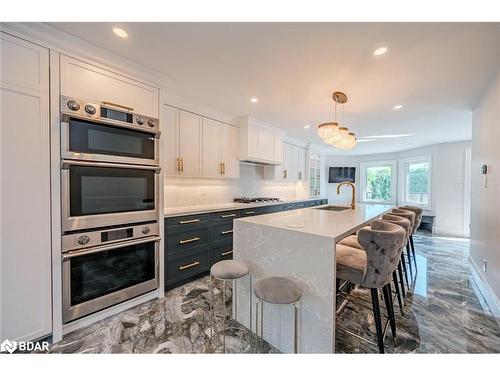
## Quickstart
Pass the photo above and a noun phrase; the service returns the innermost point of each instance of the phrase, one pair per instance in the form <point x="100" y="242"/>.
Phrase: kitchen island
<point x="299" y="245"/>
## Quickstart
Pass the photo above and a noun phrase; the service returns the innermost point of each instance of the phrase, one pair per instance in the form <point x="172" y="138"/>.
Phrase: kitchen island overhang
<point x="299" y="245"/>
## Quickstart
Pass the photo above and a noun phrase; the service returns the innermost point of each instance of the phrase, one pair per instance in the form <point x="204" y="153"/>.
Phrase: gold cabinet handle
<point x="226" y="231"/>
<point x="249" y="212"/>
<point x="178" y="165"/>
<point x="181" y="242"/>
<point x="227" y="253"/>
<point x="229" y="215"/>
<point x="118" y="106"/>
<point x="189" y="221"/>
<point x="182" y="164"/>
<point x="285" y="173"/>
<point x="184" y="267"/>
<point x="223" y="168"/>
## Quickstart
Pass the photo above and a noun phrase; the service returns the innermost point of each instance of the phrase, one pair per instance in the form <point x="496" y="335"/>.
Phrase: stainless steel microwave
<point x="107" y="132"/>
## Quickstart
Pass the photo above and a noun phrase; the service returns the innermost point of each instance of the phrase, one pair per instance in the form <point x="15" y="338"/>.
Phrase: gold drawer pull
<point x="226" y="231"/>
<point x="230" y="215"/>
<point x="189" y="240"/>
<point x="249" y="212"/>
<point x="195" y="263"/>
<point x="227" y="253"/>
<point x="189" y="221"/>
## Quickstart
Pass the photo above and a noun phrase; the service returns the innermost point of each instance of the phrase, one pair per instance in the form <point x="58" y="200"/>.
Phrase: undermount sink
<point x="333" y="208"/>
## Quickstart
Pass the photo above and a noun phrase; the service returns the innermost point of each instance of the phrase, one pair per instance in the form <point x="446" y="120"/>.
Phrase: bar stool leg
<point x="398" y="292"/>
<point x="224" y="316"/>
<point x="296" y="328"/>
<point x="250" y="304"/>
<point x="413" y="251"/>
<point x="408" y="251"/>
<point x="401" y="281"/>
<point x="211" y="300"/>
<point x="390" y="311"/>
<point x="378" y="320"/>
<point x="403" y="263"/>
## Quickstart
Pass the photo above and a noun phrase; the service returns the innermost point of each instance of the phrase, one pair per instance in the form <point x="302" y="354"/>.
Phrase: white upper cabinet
<point x="258" y="142"/>
<point x="292" y="168"/>
<point x="25" y="220"/>
<point x="196" y="146"/>
<point x="229" y="151"/>
<point x="85" y="81"/>
<point x="189" y="131"/>
<point x="212" y="165"/>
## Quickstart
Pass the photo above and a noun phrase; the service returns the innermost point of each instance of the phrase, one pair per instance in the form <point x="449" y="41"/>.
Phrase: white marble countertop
<point x="206" y="208"/>
<point x="325" y="223"/>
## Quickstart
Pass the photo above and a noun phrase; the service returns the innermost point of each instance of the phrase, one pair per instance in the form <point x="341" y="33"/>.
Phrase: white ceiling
<point x="436" y="70"/>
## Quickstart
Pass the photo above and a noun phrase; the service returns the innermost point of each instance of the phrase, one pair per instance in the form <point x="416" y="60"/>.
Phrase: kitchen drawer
<point x="222" y="252"/>
<point x="225" y="216"/>
<point x="187" y="240"/>
<point x="222" y="232"/>
<point x="184" y="223"/>
<point x="186" y="267"/>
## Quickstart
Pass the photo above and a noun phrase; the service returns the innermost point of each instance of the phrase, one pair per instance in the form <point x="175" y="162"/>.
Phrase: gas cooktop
<point x="255" y="200"/>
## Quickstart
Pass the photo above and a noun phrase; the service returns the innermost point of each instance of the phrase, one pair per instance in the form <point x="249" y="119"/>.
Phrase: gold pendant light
<point x="332" y="133"/>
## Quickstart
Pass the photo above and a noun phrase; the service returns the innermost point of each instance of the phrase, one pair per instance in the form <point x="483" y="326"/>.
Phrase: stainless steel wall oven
<point x="104" y="267"/>
<point x="109" y="205"/>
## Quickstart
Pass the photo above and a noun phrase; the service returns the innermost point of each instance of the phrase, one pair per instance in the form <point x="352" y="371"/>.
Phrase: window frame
<point x="363" y="166"/>
<point x="404" y="180"/>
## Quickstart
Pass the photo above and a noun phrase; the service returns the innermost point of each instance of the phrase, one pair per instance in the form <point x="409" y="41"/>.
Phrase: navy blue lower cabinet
<point x="195" y="242"/>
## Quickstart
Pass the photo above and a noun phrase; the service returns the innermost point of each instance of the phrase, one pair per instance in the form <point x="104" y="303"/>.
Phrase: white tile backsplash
<point x="180" y="191"/>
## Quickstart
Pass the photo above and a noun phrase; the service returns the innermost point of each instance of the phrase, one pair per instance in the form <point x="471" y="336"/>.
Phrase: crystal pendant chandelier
<point x="332" y="133"/>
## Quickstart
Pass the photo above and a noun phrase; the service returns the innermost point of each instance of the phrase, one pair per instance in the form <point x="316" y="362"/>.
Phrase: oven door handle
<point x="66" y="163"/>
<point x="97" y="249"/>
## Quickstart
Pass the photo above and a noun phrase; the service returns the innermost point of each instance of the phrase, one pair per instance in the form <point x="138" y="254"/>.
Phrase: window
<point x="378" y="181"/>
<point x="416" y="181"/>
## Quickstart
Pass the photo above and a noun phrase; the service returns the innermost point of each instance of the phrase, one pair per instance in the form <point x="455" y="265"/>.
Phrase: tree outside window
<point x="417" y="183"/>
<point x="378" y="183"/>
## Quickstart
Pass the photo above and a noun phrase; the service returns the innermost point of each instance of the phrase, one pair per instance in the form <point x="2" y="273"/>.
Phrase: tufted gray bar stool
<point x="406" y="225"/>
<point x="277" y="291"/>
<point x="373" y="268"/>
<point x="411" y="217"/>
<point x="419" y="212"/>
<point x="228" y="271"/>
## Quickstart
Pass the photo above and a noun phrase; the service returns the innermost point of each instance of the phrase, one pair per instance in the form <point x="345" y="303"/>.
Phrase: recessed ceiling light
<point x="254" y="100"/>
<point x="397" y="107"/>
<point x="390" y="136"/>
<point x="120" y="32"/>
<point x="307" y="126"/>
<point x="380" y="51"/>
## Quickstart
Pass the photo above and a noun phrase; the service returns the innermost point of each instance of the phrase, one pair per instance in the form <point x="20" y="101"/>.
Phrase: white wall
<point x="447" y="190"/>
<point x="485" y="202"/>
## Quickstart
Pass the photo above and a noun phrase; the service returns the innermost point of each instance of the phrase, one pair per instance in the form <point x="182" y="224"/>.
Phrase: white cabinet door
<point x="301" y="164"/>
<point x="294" y="165"/>
<point x="287" y="162"/>
<point x="252" y="140"/>
<point x="170" y="140"/>
<point x="89" y="82"/>
<point x="278" y="149"/>
<point x="265" y="144"/>
<point x="212" y="164"/>
<point x="25" y="243"/>
<point x="229" y="151"/>
<point x="190" y="144"/>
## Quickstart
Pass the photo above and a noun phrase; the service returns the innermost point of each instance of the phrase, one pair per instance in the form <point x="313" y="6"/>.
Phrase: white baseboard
<point x="449" y="232"/>
<point x="485" y="289"/>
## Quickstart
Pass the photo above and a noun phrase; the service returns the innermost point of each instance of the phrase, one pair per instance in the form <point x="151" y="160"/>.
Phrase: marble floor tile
<point x="443" y="314"/>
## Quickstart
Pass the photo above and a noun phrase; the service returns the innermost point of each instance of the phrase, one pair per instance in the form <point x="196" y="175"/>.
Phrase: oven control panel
<point x="106" y="111"/>
<point x="76" y="241"/>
